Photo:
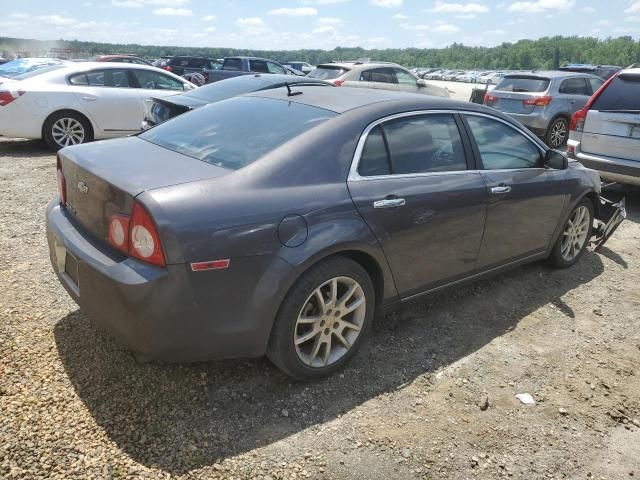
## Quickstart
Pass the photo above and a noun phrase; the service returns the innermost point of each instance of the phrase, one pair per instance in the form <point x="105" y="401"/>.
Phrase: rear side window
<point x="108" y="78"/>
<point x="236" y="132"/>
<point x="327" y="73"/>
<point x="380" y="75"/>
<point x="623" y="93"/>
<point x="502" y="147"/>
<point x="79" y="79"/>
<point x="273" y="68"/>
<point x="417" y="144"/>
<point x="575" y="86"/>
<point x="405" y="78"/>
<point x="234" y="64"/>
<point x="595" y="84"/>
<point x="259" y="66"/>
<point x="523" y="84"/>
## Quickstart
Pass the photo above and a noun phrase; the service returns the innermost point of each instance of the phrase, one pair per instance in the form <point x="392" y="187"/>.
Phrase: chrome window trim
<point x="354" y="176"/>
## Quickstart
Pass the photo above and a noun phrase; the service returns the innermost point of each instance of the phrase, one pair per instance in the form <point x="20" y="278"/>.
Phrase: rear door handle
<point x="88" y="98"/>
<point x="389" y="203"/>
<point x="500" y="189"/>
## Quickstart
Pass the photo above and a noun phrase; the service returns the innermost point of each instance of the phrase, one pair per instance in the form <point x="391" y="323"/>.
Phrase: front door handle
<point x="389" y="203"/>
<point x="89" y="98"/>
<point x="500" y="189"/>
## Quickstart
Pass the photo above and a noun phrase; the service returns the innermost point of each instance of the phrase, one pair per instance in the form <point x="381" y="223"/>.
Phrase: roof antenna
<point x="290" y="93"/>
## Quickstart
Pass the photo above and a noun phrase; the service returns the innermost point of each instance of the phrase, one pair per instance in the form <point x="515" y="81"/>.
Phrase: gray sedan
<point x="280" y="222"/>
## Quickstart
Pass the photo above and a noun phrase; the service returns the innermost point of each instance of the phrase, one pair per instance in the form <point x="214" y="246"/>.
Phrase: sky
<point x="325" y="24"/>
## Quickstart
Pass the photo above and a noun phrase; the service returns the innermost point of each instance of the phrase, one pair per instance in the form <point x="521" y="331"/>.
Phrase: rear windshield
<point x="236" y="132"/>
<point x="232" y="87"/>
<point x="523" y="84"/>
<point x="327" y="73"/>
<point x="623" y="93"/>
<point x="40" y="71"/>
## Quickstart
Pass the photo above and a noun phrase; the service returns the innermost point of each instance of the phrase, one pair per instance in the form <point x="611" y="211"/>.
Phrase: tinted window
<point x="374" y="159"/>
<point x="575" y="86"/>
<point x="404" y="78"/>
<point x="156" y="81"/>
<point x="234" y="64"/>
<point x="221" y="134"/>
<point x="381" y="75"/>
<point x="623" y="93"/>
<point x="108" y="78"/>
<point x="595" y="83"/>
<point x="523" y="84"/>
<point x="259" y="66"/>
<point x="327" y="73"/>
<point x="501" y="146"/>
<point x="425" y="143"/>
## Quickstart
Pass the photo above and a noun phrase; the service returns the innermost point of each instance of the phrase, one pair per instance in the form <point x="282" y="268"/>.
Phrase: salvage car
<point x="158" y="110"/>
<point x="280" y="222"/>
<point x="73" y="104"/>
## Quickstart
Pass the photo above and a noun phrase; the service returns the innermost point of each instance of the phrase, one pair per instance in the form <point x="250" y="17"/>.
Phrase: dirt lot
<point x="74" y="404"/>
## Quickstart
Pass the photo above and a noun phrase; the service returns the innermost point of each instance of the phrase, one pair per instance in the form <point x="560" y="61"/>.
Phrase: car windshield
<point x="523" y="84"/>
<point x="622" y="94"/>
<point x="327" y="72"/>
<point x="236" y="132"/>
<point x="24" y="65"/>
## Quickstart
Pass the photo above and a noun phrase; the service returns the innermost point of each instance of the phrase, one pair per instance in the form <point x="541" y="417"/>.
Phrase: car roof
<point x="343" y="99"/>
<point x="83" y="66"/>
<point x="360" y="65"/>
<point x="550" y="74"/>
<point x="632" y="71"/>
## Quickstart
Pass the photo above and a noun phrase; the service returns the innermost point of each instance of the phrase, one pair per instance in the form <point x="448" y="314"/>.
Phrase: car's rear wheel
<point x="557" y="133"/>
<point x="323" y="319"/>
<point x="66" y="128"/>
<point x="575" y="235"/>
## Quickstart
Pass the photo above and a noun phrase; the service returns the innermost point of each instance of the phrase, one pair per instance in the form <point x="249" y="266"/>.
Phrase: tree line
<point x="543" y="53"/>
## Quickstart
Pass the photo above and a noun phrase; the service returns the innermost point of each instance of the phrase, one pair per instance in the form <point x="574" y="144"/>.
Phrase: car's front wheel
<point x="66" y="128"/>
<point x="323" y="319"/>
<point x="575" y="235"/>
<point x="557" y="133"/>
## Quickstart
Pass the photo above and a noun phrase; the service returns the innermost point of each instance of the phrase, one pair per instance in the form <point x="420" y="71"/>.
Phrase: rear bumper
<point x="535" y="122"/>
<point x="611" y="169"/>
<point x="169" y="314"/>
<point x="17" y="122"/>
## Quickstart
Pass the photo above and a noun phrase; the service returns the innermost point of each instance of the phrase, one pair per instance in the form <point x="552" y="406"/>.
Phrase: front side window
<point x="404" y="78"/>
<point x="380" y="75"/>
<point x="108" y="78"/>
<point x="574" y="86"/>
<point x="416" y="144"/>
<point x="259" y="66"/>
<point x="273" y="68"/>
<point x="502" y="147"/>
<point x="156" y="81"/>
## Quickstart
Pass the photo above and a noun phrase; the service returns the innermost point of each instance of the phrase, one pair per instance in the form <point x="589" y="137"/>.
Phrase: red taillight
<point x="7" y="96"/>
<point x="537" y="101"/>
<point x="489" y="99"/>
<point x="119" y="232"/>
<point x="168" y="68"/>
<point x="144" y="241"/>
<point x="62" y="183"/>
<point x="338" y="83"/>
<point x="578" y="118"/>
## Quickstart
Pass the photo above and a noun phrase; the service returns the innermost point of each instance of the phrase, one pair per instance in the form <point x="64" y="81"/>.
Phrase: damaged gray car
<point x="281" y="221"/>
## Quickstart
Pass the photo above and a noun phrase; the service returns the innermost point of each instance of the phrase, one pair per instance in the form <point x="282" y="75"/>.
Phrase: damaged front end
<point x="608" y="218"/>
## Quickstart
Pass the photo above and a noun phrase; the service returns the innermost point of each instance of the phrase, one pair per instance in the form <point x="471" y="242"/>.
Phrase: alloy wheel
<point x="67" y="131"/>
<point x="575" y="233"/>
<point x="330" y="321"/>
<point x="558" y="133"/>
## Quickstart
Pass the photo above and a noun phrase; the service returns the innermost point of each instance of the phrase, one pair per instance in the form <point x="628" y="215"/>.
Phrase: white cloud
<point x="19" y="15"/>
<point x="209" y="18"/>
<point x="497" y="31"/>
<point x="542" y="6"/>
<point x="210" y="29"/>
<point x="386" y="3"/>
<point x="57" y="20"/>
<point x="633" y="8"/>
<point x="142" y="3"/>
<point x="250" y="22"/>
<point x="399" y="16"/>
<point x="445" y="28"/>
<point x="438" y="27"/>
<point x="589" y="10"/>
<point x="323" y="2"/>
<point x="442" y="7"/>
<point x="294" y="12"/>
<point x="173" y="12"/>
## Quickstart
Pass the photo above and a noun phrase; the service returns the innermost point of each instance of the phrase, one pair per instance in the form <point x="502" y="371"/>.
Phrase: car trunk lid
<point x="103" y="179"/>
<point x="517" y="93"/>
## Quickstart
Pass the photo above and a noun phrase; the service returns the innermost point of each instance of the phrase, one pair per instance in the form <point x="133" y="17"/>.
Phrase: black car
<point x="158" y="110"/>
<point x="279" y="222"/>
<point x="181" y="64"/>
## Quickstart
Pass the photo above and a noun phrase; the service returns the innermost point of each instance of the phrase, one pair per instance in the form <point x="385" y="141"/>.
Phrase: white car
<point x="68" y="105"/>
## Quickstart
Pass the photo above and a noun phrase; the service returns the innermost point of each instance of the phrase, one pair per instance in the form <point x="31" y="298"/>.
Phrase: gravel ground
<point x="431" y="395"/>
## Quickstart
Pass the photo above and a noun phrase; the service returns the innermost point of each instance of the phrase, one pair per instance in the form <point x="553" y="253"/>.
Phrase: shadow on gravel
<point x="24" y="148"/>
<point x="181" y="417"/>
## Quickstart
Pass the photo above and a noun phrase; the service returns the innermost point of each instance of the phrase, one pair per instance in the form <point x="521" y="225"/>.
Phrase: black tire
<point x="282" y="350"/>
<point x="559" y="126"/>
<point x="556" y="258"/>
<point x="73" y="117"/>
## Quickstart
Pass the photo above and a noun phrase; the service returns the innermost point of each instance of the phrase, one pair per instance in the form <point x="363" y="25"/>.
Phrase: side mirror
<point x="556" y="160"/>
<point x="421" y="83"/>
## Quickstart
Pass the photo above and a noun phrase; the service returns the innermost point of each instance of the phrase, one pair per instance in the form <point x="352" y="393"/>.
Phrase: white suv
<point x="605" y="134"/>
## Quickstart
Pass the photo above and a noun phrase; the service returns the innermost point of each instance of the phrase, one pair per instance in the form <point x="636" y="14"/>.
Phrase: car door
<point x="109" y="99"/>
<point x="412" y="184"/>
<point x="525" y="198"/>
<point x="406" y="81"/>
<point x="155" y="84"/>
<point x="576" y="91"/>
